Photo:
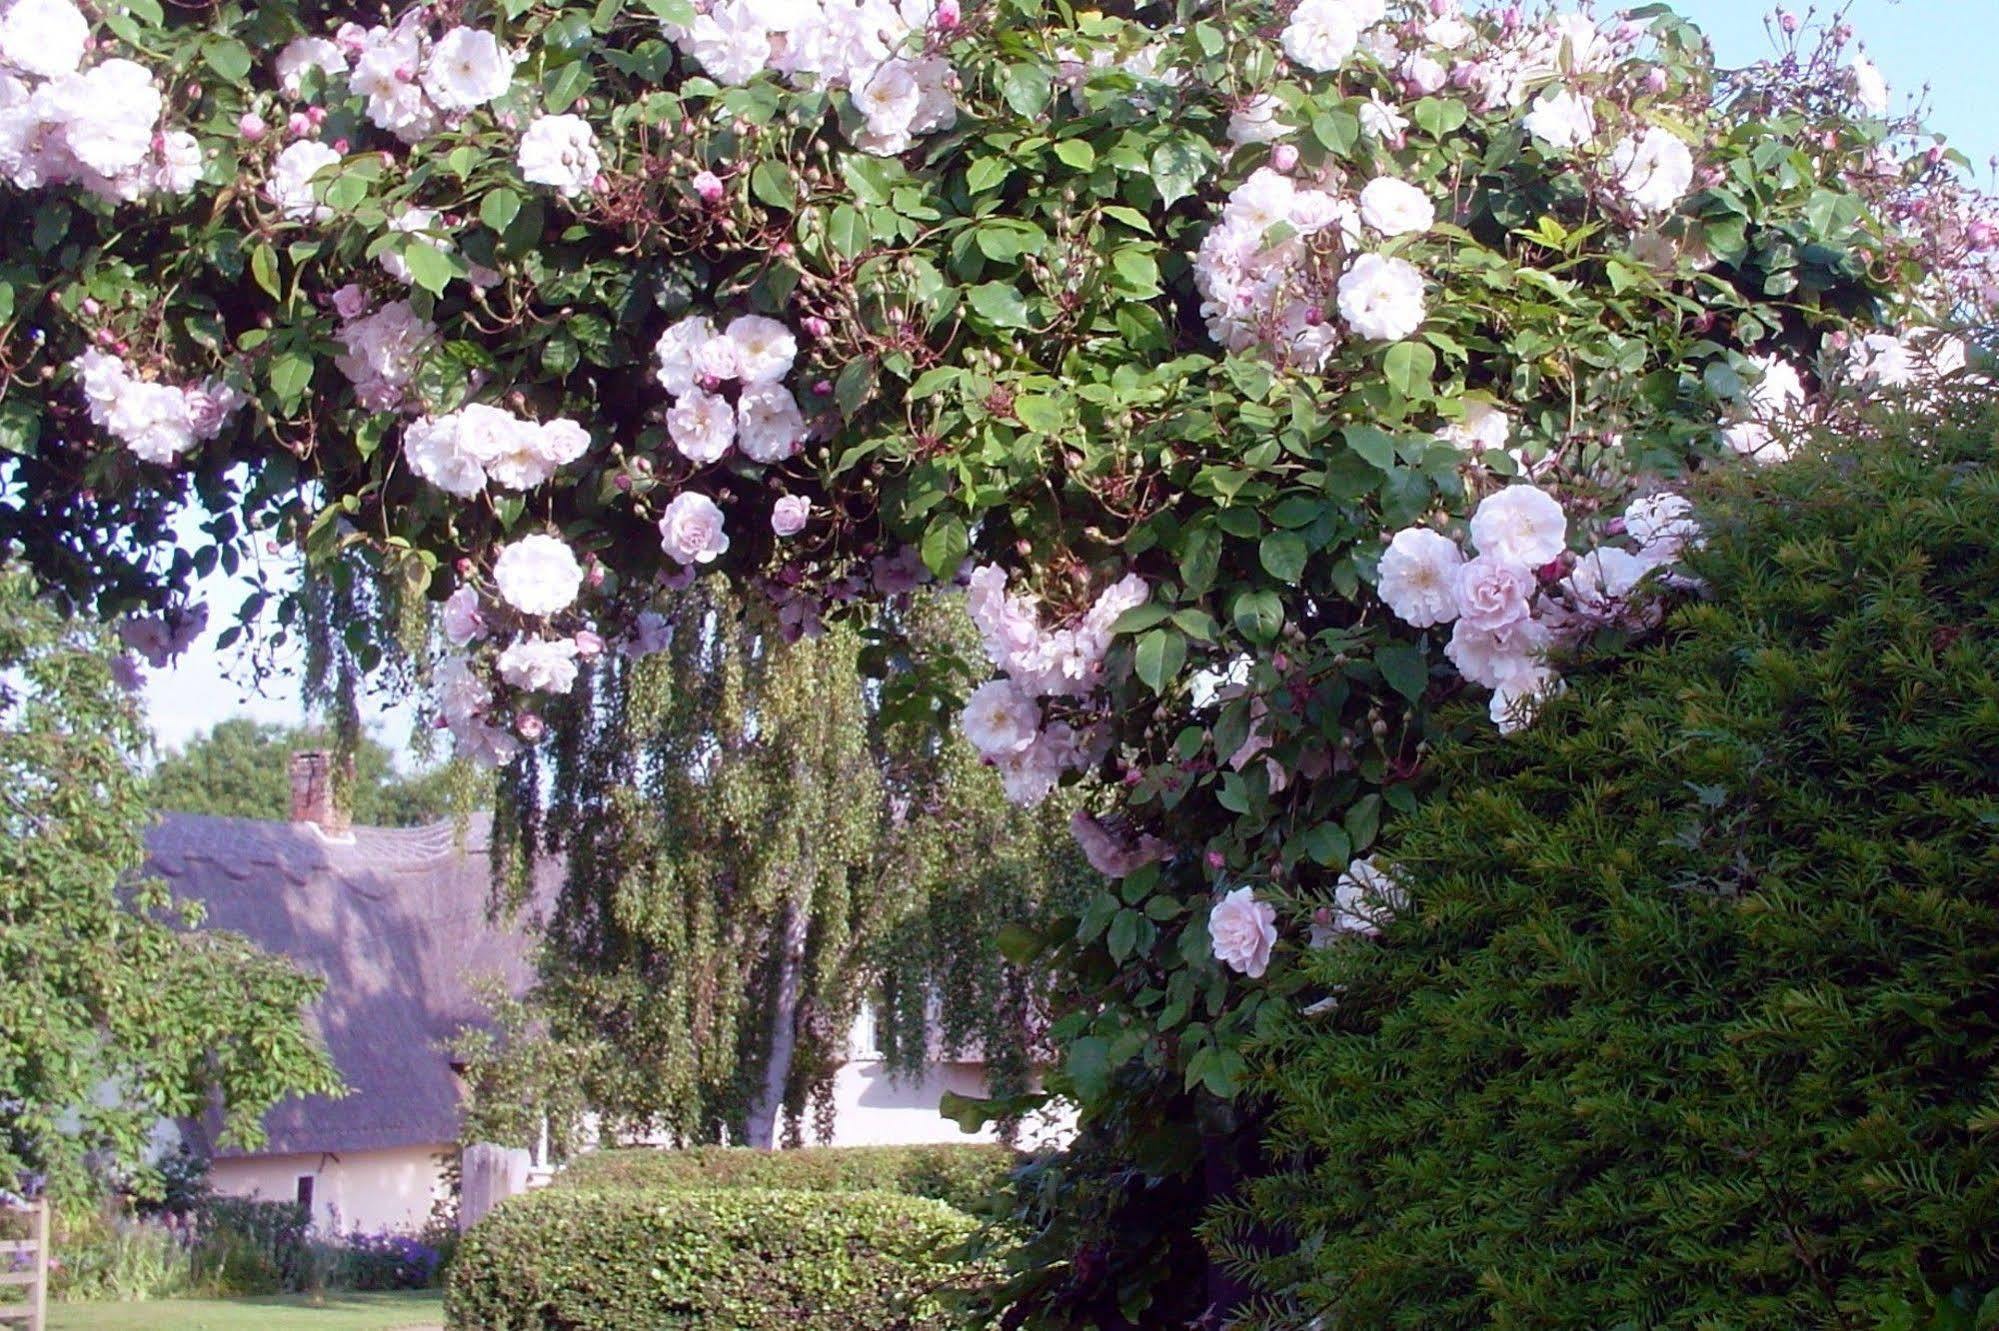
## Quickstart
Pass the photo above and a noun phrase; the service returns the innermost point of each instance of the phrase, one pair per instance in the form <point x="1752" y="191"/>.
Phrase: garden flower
<point x="1382" y="298"/>
<point x="303" y="54"/>
<point x="764" y="348"/>
<point x="537" y="575"/>
<point x="788" y="515"/>
<point x="1242" y="930"/>
<point x="1653" y="170"/>
<point x="467" y="68"/>
<point x="1492" y="593"/>
<point x="769" y="426"/>
<point x="560" y="151"/>
<point x="690" y="531"/>
<point x="45" y="38"/>
<point x="1321" y="35"/>
<point x="539" y="665"/>
<point x="678" y="353"/>
<point x="463" y="622"/>
<point x="291" y="185"/>
<point x="999" y="718"/>
<point x="1418" y="577"/>
<point x="1520" y="525"/>
<point x="702" y="426"/>
<point x="1561" y="119"/>
<point x="1492" y="656"/>
<point x="1365" y="899"/>
<point x="1870" y="90"/>
<point x="1396" y="208"/>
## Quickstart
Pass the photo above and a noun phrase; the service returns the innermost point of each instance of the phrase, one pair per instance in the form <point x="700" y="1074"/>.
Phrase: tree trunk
<point x="760" y="1123"/>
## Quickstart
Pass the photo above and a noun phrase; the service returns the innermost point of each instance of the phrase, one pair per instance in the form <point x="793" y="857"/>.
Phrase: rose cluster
<point x="461" y="451"/>
<point x="159" y="422"/>
<point x="885" y="55"/>
<point x="410" y="82"/>
<point x="1003" y="718"/>
<point x="62" y="124"/>
<point x="1521" y="595"/>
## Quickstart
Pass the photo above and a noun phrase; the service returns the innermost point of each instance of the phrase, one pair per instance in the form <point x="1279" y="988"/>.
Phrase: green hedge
<point x="744" y="1260"/>
<point x="1693" y="1020"/>
<point x="964" y="1176"/>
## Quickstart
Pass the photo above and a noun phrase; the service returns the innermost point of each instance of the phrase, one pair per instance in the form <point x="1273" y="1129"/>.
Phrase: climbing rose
<point x="1395" y="207"/>
<point x="559" y="151"/>
<point x="1493" y="593"/>
<point x="788" y="514"/>
<point x="1520" y="525"/>
<point x="538" y="665"/>
<point x="999" y="718"/>
<point x="1382" y="298"/>
<point x="1562" y="119"/>
<point x="1419" y="577"/>
<point x="467" y="68"/>
<point x="1653" y="169"/>
<point x="691" y="529"/>
<point x="462" y="619"/>
<point x="537" y="575"/>
<point x="1242" y="931"/>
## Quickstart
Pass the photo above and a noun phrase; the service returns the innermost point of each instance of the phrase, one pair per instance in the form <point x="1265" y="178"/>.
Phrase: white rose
<point x="1418" y="577"/>
<point x="463" y="621"/>
<point x="308" y="53"/>
<point x="440" y="452"/>
<point x="678" y="351"/>
<point x="467" y="68"/>
<point x="1425" y="74"/>
<point x="1653" y="170"/>
<point x="1366" y="898"/>
<point x="1518" y="697"/>
<point x="177" y="168"/>
<point x="1663" y="523"/>
<point x="788" y="515"/>
<point x="1870" y="90"/>
<point x="769" y="426"/>
<point x="537" y="575"/>
<point x="560" y="151"/>
<point x="764" y="348"/>
<point x="1321" y="35"/>
<point x="1000" y="718"/>
<point x="107" y="113"/>
<point x="152" y="420"/>
<point x="1493" y="593"/>
<point x="1562" y="119"/>
<point x="1604" y="578"/>
<point x="1521" y="525"/>
<point x="291" y="185"/>
<point x="690" y="530"/>
<point x="1382" y="298"/>
<point x="45" y="38"/>
<point x="1487" y="656"/>
<point x="1395" y="207"/>
<point x="1256" y="121"/>
<point x="1242" y="930"/>
<point x="539" y="666"/>
<point x="1483" y="427"/>
<point x="702" y="426"/>
<point x="1383" y="121"/>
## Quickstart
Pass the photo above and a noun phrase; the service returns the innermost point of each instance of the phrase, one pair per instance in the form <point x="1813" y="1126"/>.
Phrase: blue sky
<point x="1947" y="44"/>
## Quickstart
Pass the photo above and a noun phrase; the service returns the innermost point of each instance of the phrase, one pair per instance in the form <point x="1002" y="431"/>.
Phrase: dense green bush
<point x="1691" y="1018"/>
<point x="740" y="1260"/>
<point x="964" y="1176"/>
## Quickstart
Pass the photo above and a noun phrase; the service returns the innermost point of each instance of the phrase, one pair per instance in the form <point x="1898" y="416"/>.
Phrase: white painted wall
<point x="370" y="1190"/>
<point x="874" y="1109"/>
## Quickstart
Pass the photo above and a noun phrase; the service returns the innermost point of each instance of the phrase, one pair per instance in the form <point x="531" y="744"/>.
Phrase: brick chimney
<point x="314" y="799"/>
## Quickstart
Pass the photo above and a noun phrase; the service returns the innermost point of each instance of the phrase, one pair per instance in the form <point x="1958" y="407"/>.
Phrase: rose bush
<point x="1268" y="374"/>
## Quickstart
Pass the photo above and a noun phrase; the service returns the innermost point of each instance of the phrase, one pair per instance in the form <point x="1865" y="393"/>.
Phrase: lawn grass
<point x="277" y="1312"/>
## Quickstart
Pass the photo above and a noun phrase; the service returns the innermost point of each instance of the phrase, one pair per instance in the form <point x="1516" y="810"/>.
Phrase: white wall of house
<point x="369" y="1190"/>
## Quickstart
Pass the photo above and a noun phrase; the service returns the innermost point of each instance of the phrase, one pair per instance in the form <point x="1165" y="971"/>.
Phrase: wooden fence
<point x="24" y="1263"/>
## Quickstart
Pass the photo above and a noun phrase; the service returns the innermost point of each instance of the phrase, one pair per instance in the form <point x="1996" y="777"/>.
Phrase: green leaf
<point x="1438" y="116"/>
<point x="1200" y="557"/>
<point x="1327" y="844"/>
<point x="847" y="229"/>
<point x="430" y="267"/>
<point x="1000" y="304"/>
<point x="1089" y="1067"/>
<point x="854" y="385"/>
<point x="264" y="267"/>
<point x="1123" y="935"/>
<point x="771" y="185"/>
<point x="1137" y="271"/>
<point x="680" y="13"/>
<point x="1076" y="153"/>
<point x="1283" y="555"/>
<point x="986" y="173"/>
<point x="1405" y="668"/>
<point x="1177" y="167"/>
<point x="499" y="209"/>
<point x="944" y="544"/>
<point x="1258" y="616"/>
<point x="228" y="57"/>
<point x="1044" y="415"/>
<point x="1027" y="88"/>
<point x="1161" y="652"/>
<point x="1376" y="446"/>
<point x="565" y="85"/>
<point x="291" y="375"/>
<point x="1408" y="367"/>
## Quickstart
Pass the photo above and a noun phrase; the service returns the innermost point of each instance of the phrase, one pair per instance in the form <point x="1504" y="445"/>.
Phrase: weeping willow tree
<point x="752" y="848"/>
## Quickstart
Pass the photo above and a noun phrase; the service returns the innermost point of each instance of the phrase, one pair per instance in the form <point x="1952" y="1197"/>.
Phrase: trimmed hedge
<point x="966" y="1177"/>
<point x="1693" y="1019"/>
<point x="747" y="1260"/>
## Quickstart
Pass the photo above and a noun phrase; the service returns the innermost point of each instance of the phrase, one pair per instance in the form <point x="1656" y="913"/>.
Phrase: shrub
<point x="745" y="1260"/>
<point x="1692" y="1015"/>
<point x="247" y="1245"/>
<point x="384" y="1260"/>
<point x="102" y="1255"/>
<point x="964" y="1176"/>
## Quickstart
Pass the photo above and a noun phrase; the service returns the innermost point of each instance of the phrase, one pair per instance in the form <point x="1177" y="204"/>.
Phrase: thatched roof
<point x="395" y="920"/>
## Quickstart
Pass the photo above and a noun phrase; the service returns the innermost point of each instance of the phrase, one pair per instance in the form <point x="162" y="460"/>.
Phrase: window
<point x="305" y="1194"/>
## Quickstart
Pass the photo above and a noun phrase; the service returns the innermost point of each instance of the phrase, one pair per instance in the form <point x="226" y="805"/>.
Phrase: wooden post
<point x="35" y="1312"/>
<point x="487" y="1176"/>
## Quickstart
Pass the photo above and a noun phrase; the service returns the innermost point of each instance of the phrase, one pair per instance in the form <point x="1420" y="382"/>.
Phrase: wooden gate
<point x="25" y="1263"/>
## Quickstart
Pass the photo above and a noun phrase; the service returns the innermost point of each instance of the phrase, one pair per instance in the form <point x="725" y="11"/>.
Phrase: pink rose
<point x="1492" y="593"/>
<point x="691" y="529"/>
<point x="1242" y="931"/>
<point x="787" y="516"/>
